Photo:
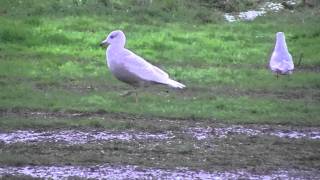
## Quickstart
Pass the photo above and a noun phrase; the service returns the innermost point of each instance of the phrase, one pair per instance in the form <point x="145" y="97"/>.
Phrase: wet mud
<point x="79" y="137"/>
<point x="135" y="172"/>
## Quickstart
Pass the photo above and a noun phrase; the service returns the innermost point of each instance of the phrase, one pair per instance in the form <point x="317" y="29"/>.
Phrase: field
<point x="53" y="78"/>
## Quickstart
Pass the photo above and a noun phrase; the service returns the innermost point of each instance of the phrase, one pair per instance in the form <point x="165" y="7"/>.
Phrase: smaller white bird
<point x="281" y="60"/>
<point x="131" y="68"/>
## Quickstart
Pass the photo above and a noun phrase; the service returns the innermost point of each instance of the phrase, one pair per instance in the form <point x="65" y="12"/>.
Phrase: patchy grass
<point x="54" y="56"/>
<point x="258" y="153"/>
<point x="54" y="63"/>
<point x="79" y="120"/>
<point x="187" y="104"/>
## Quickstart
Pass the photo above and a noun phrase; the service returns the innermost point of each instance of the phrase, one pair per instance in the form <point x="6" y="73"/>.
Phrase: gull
<point x="281" y="60"/>
<point x="130" y="68"/>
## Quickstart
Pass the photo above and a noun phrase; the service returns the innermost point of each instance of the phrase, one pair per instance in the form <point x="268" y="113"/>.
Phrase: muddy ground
<point x="154" y="147"/>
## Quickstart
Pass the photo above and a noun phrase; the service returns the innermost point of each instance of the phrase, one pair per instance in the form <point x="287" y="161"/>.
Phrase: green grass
<point x="53" y="62"/>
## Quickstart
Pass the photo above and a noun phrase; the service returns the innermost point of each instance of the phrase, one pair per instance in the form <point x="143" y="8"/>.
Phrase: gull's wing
<point x="281" y="61"/>
<point x="143" y="69"/>
<point x="160" y="71"/>
<point x="290" y="64"/>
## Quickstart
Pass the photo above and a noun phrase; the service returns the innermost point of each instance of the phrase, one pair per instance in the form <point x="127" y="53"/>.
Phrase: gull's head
<point x="116" y="38"/>
<point x="280" y="36"/>
<point x="281" y="45"/>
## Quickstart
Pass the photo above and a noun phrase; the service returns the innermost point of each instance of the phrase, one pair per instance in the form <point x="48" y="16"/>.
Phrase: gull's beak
<point x="104" y="43"/>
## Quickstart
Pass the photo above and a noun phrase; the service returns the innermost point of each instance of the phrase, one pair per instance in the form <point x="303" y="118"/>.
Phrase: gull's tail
<point x="175" y="84"/>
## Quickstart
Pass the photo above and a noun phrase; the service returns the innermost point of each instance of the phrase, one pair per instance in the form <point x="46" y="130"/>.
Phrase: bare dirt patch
<point x="289" y="94"/>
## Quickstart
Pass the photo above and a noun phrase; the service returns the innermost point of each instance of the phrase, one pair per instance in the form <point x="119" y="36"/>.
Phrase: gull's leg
<point x="277" y="75"/>
<point x="136" y="96"/>
<point x="300" y="59"/>
<point x="128" y="93"/>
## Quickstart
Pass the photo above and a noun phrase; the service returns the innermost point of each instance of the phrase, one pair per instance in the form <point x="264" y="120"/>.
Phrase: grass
<point x="238" y="108"/>
<point x="44" y="58"/>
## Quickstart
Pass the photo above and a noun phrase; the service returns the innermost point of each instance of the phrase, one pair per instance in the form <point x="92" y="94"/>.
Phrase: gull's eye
<point x="113" y="36"/>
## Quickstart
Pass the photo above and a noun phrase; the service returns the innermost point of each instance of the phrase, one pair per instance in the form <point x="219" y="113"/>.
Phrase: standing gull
<point x="281" y="60"/>
<point x="131" y="68"/>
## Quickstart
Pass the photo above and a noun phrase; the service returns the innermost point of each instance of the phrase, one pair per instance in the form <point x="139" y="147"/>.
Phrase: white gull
<point x="130" y="68"/>
<point x="281" y="60"/>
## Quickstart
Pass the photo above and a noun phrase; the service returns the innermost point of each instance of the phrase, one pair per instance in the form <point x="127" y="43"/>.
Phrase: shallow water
<point x="201" y="133"/>
<point x="135" y="172"/>
<point x="79" y="137"/>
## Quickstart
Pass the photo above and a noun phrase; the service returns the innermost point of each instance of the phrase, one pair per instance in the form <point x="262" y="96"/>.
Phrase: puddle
<point x="203" y="133"/>
<point x="250" y="15"/>
<point x="79" y="137"/>
<point x="200" y="133"/>
<point x="135" y="172"/>
<point x="296" y="134"/>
